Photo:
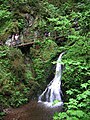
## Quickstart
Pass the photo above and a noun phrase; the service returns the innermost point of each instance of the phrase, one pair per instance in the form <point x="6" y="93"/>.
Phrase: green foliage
<point x="68" y="19"/>
<point x="55" y="102"/>
<point x="49" y="9"/>
<point x="9" y="20"/>
<point x="28" y="75"/>
<point x="15" y="78"/>
<point x="1" y="115"/>
<point x="77" y="83"/>
<point x="5" y="22"/>
<point x="72" y="115"/>
<point x="78" y="107"/>
<point x="61" y="25"/>
<point x="9" y="75"/>
<point x="77" y="64"/>
<point x="42" y="59"/>
<point x="4" y="14"/>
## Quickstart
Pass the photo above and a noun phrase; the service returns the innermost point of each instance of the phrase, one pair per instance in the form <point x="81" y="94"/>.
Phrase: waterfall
<point x="53" y="90"/>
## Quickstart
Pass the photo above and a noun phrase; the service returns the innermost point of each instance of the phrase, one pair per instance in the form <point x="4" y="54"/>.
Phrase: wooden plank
<point x="25" y="44"/>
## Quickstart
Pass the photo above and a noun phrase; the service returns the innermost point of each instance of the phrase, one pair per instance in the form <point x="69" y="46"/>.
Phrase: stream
<point x="32" y="111"/>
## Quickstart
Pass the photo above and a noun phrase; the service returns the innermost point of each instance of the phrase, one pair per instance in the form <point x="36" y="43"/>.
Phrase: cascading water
<point x="44" y="109"/>
<point x="53" y="91"/>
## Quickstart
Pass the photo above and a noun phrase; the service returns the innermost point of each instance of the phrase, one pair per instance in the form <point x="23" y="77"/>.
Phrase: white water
<point x="53" y="91"/>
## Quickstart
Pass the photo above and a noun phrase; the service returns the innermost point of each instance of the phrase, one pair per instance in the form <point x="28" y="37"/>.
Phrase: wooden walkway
<point x="25" y="44"/>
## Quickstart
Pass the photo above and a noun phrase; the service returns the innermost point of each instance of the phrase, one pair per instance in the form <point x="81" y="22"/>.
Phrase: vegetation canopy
<point x="54" y="27"/>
